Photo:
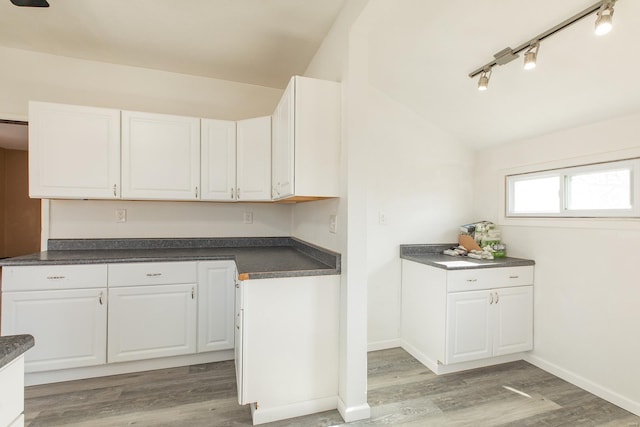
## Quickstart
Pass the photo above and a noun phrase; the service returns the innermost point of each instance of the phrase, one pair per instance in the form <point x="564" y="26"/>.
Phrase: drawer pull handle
<point x="491" y="299"/>
<point x="472" y="280"/>
<point x="497" y="298"/>
<point x="154" y="274"/>
<point x="115" y="190"/>
<point x="100" y="299"/>
<point x="56" y="277"/>
<point x="193" y="292"/>
<point x="513" y="277"/>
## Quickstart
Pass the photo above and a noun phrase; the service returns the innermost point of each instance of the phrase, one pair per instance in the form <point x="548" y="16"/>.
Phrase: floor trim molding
<point x="262" y="414"/>
<point x="585" y="384"/>
<point x="354" y="413"/>
<point x="384" y="345"/>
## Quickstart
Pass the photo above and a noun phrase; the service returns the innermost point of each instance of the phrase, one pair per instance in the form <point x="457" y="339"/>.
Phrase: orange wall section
<point x="20" y="215"/>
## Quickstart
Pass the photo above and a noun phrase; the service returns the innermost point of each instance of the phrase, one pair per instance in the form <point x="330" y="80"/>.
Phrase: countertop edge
<point x="323" y="257"/>
<point x="13" y="346"/>
<point x="479" y="264"/>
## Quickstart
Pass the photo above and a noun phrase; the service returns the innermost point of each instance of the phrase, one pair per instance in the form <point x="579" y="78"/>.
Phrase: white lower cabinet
<point x="90" y="315"/>
<point x="216" y="297"/>
<point x="157" y="318"/>
<point x="12" y="393"/>
<point x="151" y="321"/>
<point x="69" y="323"/>
<point x="287" y="346"/>
<point x="457" y="319"/>
<point x="488" y="323"/>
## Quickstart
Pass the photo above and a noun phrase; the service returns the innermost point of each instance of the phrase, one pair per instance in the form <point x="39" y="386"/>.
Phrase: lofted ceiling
<point x="261" y="42"/>
<point x="421" y="52"/>
<point x="434" y="45"/>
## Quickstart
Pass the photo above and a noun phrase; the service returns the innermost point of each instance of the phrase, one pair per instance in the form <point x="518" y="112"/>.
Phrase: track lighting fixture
<point x="531" y="56"/>
<point x="483" y="82"/>
<point x="604" y="20"/>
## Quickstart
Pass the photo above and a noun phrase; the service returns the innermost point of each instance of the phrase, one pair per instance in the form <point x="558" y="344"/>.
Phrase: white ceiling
<point x="261" y="42"/>
<point x="421" y="53"/>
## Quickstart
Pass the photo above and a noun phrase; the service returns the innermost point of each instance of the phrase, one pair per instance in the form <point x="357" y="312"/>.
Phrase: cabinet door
<point x="74" y="152"/>
<point x="216" y="295"/>
<point x="254" y="159"/>
<point x="160" y="157"/>
<point x="151" y="321"/>
<point x="239" y="344"/>
<point x="218" y="162"/>
<point x="469" y="326"/>
<point x="514" y="320"/>
<point x="282" y="156"/>
<point x="69" y="326"/>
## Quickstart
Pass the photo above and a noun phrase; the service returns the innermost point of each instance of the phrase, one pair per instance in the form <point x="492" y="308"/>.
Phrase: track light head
<point x="604" y="20"/>
<point x="531" y="56"/>
<point x="483" y="82"/>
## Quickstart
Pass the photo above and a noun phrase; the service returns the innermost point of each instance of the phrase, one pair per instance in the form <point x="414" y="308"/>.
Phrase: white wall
<point x="29" y="76"/>
<point x="420" y="179"/>
<point x="96" y="219"/>
<point x="587" y="296"/>
<point x="35" y="76"/>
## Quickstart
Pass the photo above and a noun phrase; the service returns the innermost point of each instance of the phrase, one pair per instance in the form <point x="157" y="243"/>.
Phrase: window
<point x="599" y="190"/>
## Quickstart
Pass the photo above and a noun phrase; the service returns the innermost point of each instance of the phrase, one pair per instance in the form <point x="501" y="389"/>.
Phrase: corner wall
<point x="586" y="293"/>
<point x="2" y="203"/>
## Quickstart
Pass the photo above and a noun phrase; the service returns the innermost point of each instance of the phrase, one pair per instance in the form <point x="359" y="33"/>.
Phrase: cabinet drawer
<point x="46" y="277"/>
<point x="488" y="278"/>
<point x="152" y="273"/>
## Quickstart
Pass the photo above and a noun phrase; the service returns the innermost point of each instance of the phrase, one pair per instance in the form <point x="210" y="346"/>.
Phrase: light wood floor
<point x="402" y="392"/>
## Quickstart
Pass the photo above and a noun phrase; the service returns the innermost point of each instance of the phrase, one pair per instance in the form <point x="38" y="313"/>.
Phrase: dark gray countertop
<point x="432" y="255"/>
<point x="258" y="258"/>
<point x="12" y="346"/>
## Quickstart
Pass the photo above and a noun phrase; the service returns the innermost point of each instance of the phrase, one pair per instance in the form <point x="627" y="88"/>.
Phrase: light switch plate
<point x="333" y="223"/>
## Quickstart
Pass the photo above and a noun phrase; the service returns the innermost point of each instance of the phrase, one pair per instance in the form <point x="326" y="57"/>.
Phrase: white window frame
<point x="564" y="174"/>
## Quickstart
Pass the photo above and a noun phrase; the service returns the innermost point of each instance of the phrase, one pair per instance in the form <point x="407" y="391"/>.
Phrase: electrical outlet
<point x="121" y="215"/>
<point x="382" y="218"/>
<point x="247" y="217"/>
<point x="333" y="223"/>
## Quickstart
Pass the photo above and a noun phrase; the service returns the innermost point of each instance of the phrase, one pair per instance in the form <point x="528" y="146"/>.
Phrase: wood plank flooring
<point x="402" y="392"/>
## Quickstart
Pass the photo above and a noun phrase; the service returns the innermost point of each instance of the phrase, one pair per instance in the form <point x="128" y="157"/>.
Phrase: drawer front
<point x="51" y="277"/>
<point x="489" y="278"/>
<point x="152" y="273"/>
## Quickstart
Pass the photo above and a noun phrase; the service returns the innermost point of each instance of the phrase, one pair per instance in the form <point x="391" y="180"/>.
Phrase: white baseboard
<point x="35" y="378"/>
<point x="383" y="345"/>
<point x="354" y="413"/>
<point x="262" y="414"/>
<point x="588" y="385"/>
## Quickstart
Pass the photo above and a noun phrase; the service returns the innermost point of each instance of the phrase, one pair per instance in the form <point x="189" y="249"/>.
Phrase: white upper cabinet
<point x="74" y="152"/>
<point x="306" y="140"/>
<point x="253" y="161"/>
<point x="282" y="148"/>
<point x="218" y="160"/>
<point x="160" y="157"/>
<point x="236" y="159"/>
